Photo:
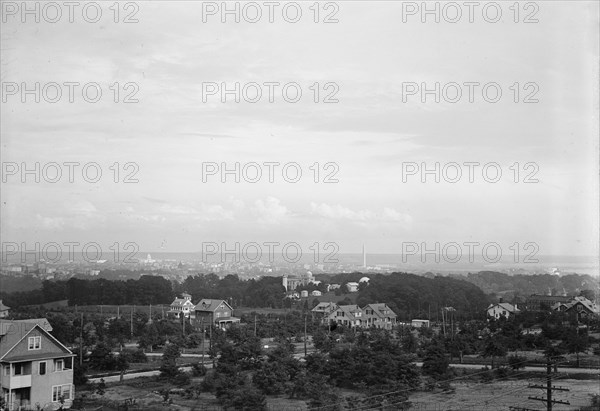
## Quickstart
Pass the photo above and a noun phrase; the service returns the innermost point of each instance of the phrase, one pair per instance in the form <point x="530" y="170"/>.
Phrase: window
<point x="18" y="369"/>
<point x="42" y="367"/>
<point x="63" y="391"/>
<point x="59" y="365"/>
<point x="35" y="343"/>
<point x="7" y="370"/>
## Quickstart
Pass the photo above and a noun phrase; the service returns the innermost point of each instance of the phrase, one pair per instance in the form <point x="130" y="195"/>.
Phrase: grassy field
<point x="464" y="396"/>
<point x="146" y="392"/>
<point x="471" y="396"/>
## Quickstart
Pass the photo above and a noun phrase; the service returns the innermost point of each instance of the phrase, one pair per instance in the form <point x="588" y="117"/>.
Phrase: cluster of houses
<point x="579" y="306"/>
<point x="36" y="370"/>
<point x="291" y="283"/>
<point x="207" y="311"/>
<point x="371" y="315"/>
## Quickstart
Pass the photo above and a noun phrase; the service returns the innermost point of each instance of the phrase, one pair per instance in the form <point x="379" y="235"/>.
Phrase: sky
<point x="365" y="144"/>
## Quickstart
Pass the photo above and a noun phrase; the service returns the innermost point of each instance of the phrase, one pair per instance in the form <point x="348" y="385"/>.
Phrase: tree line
<point x="409" y="296"/>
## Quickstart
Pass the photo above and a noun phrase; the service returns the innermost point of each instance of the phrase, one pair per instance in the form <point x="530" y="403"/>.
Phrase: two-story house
<point x="501" y="310"/>
<point x="35" y="368"/>
<point x="182" y="306"/>
<point x="372" y="315"/>
<point x="348" y="315"/>
<point x="322" y="310"/>
<point x="217" y="312"/>
<point x="582" y="308"/>
<point x="380" y="316"/>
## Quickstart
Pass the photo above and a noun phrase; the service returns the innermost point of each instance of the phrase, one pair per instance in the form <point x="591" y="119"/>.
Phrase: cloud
<point x="270" y="211"/>
<point x="338" y="212"/>
<point x="50" y="223"/>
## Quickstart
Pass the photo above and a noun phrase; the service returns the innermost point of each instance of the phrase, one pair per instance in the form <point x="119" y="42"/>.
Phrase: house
<point x="217" y="312"/>
<point x="372" y="315"/>
<point x="182" y="306"/>
<point x="35" y="368"/>
<point x="582" y="308"/>
<point x="379" y="315"/>
<point x="352" y="287"/>
<point x="316" y="293"/>
<point x="3" y="310"/>
<point x="348" y="315"/>
<point x="501" y="309"/>
<point x="420" y="323"/>
<point x="322" y="310"/>
<point x="291" y="283"/>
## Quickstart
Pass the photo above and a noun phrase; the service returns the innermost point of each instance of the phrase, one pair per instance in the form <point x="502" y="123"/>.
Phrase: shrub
<point x="181" y="379"/>
<point x="516" y="361"/>
<point x="198" y="370"/>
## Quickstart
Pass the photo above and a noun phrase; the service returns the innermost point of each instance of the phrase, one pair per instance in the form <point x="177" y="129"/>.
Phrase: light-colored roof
<point x="349" y="311"/>
<point x="583" y="301"/>
<point x="181" y="301"/>
<point x="210" y="305"/>
<point x="3" y="307"/>
<point x="505" y="306"/>
<point x="379" y="308"/>
<point x="42" y="322"/>
<point x="324" y="307"/>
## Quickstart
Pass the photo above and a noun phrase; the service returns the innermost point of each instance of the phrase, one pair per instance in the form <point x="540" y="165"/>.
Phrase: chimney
<point x="501" y="300"/>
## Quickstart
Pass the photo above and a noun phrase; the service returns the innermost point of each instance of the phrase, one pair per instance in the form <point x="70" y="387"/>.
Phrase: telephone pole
<point x="131" y="330"/>
<point x="305" y="352"/>
<point x="81" y="342"/>
<point x="549" y="388"/>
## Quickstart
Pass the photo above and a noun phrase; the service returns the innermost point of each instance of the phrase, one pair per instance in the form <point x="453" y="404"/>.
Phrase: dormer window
<point x="34" y="343"/>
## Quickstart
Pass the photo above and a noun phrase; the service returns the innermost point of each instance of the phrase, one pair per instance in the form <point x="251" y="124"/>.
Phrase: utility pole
<point x="305" y="352"/>
<point x="81" y="342"/>
<point x="118" y="311"/>
<point x="549" y="388"/>
<point x="255" y="325"/>
<point x="203" y="339"/>
<point x="131" y="330"/>
<point x="443" y="322"/>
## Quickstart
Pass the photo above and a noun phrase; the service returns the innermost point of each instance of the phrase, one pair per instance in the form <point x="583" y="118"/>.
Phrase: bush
<point x="501" y="372"/>
<point x="486" y="376"/>
<point x="138" y="356"/>
<point x="181" y="379"/>
<point x="198" y="370"/>
<point x="516" y="361"/>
